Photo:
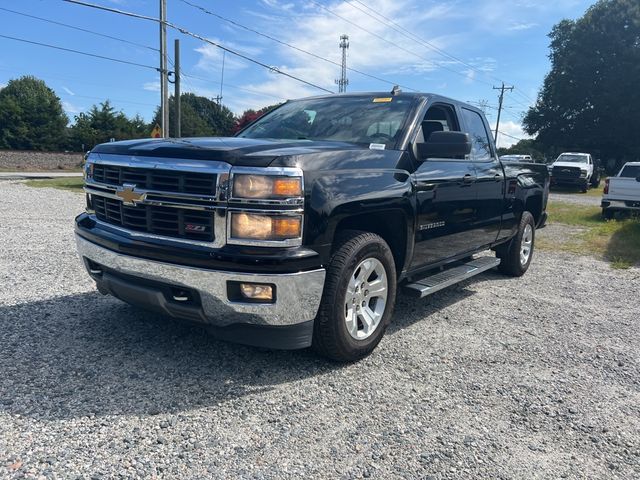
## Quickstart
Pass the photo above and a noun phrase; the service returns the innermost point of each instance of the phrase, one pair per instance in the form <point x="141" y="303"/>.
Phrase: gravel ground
<point x="536" y="377"/>
<point x="575" y="198"/>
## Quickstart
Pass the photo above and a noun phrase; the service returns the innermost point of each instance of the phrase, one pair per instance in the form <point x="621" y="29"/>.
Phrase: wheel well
<point x="534" y="206"/>
<point x="390" y="225"/>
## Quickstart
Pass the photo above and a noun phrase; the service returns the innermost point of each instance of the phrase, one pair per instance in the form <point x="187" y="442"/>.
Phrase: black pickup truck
<point x="299" y="230"/>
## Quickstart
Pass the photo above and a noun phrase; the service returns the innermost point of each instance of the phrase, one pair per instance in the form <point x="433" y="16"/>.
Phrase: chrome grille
<point x="166" y="221"/>
<point x="154" y="179"/>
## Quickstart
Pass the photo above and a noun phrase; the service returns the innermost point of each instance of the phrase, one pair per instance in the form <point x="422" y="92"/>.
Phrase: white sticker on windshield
<point x="377" y="146"/>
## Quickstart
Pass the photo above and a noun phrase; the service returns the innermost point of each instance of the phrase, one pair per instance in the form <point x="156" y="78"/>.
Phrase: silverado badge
<point x="127" y="193"/>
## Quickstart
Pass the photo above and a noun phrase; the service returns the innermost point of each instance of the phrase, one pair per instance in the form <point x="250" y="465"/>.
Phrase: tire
<point x="345" y="330"/>
<point x="595" y="180"/>
<point x="584" y="188"/>
<point x="608" y="214"/>
<point x="514" y="262"/>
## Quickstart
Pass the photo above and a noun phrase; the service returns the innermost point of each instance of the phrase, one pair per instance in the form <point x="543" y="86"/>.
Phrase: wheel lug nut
<point x="366" y="292"/>
<point x="364" y="303"/>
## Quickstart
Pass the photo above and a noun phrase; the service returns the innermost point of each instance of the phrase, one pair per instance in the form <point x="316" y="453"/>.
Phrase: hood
<point x="571" y="164"/>
<point x="238" y="151"/>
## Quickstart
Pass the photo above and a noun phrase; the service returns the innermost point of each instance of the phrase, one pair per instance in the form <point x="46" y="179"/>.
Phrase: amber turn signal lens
<point x="287" y="187"/>
<point x="286" y="227"/>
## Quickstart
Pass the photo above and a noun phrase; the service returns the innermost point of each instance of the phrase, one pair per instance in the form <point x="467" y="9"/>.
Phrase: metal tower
<point x="343" y="81"/>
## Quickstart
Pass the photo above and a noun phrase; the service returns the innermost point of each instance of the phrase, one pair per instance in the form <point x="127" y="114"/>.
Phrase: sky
<point x="457" y="48"/>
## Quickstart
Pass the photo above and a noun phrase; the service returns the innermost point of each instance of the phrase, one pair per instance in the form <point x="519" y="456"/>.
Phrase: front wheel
<point x="515" y="256"/>
<point x="358" y="299"/>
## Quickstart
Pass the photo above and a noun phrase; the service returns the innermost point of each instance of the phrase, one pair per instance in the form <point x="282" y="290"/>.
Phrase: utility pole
<point x="176" y="86"/>
<point x="164" y="80"/>
<point x="342" y="82"/>
<point x="502" y="89"/>
<point x="219" y="97"/>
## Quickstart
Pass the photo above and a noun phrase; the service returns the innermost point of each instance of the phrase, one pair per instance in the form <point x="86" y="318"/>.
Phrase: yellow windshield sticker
<point x="382" y="99"/>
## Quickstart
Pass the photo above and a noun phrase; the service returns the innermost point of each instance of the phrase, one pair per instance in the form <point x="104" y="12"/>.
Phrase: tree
<point x="250" y="116"/>
<point x="200" y="117"/>
<point x="102" y="123"/>
<point x="590" y="100"/>
<point x="527" y="146"/>
<point x="31" y="116"/>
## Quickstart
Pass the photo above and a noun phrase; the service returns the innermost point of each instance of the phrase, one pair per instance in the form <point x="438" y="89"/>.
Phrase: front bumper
<point x="149" y="283"/>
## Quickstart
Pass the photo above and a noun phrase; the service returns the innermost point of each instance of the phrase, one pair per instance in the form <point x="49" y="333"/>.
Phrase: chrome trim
<point x="151" y="201"/>
<point x="184" y="196"/>
<point x="298" y="295"/>
<point x="160" y="163"/>
<point x="291" y="242"/>
<point x="276" y="171"/>
<point x="218" y="241"/>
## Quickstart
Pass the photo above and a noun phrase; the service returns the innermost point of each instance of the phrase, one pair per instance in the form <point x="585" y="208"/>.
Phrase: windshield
<point x="363" y="120"/>
<point x="572" y="158"/>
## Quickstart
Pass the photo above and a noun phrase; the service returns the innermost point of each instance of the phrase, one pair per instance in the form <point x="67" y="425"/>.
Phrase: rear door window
<point x="480" y="142"/>
<point x="630" y="171"/>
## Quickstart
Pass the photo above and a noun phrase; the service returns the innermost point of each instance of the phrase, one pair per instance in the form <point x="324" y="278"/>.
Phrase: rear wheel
<point x="607" y="213"/>
<point x="515" y="256"/>
<point x="358" y="298"/>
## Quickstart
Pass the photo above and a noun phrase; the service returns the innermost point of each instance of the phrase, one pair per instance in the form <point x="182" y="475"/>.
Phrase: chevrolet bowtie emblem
<point x="127" y="193"/>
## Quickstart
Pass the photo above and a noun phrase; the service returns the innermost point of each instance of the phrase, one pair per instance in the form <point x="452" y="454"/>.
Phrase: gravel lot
<point x="575" y="198"/>
<point x="526" y="378"/>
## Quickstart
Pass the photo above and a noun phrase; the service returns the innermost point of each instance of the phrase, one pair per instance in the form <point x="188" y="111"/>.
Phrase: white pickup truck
<point x="622" y="192"/>
<point x="575" y="169"/>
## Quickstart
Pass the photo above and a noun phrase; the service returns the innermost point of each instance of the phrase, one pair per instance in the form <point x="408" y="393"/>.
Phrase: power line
<point x="48" y="20"/>
<point x="184" y="31"/>
<point x="94" y="55"/>
<point x="289" y="45"/>
<point x="430" y="62"/>
<point x="511" y="136"/>
<point x="403" y="31"/>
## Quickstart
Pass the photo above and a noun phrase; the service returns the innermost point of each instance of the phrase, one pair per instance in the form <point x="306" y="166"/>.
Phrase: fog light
<point x="256" y="291"/>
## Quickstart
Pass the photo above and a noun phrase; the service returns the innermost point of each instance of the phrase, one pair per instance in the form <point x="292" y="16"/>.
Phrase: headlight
<point x="266" y="186"/>
<point x="278" y="228"/>
<point x="583" y="173"/>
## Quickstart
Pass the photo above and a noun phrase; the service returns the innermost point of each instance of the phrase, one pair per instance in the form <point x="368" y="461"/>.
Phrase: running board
<point x="450" y="276"/>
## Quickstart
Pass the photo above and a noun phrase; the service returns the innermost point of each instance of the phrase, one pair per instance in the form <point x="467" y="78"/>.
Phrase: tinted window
<point x="630" y="171"/>
<point x="481" y="145"/>
<point x="362" y="120"/>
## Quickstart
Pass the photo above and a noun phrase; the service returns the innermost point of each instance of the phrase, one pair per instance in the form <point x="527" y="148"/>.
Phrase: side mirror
<point x="445" y="145"/>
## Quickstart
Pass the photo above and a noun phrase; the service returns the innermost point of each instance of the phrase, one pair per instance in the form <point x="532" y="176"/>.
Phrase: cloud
<point x="152" y="86"/>
<point x="521" y="26"/>
<point x="69" y="92"/>
<point x="210" y="60"/>
<point x="72" y="109"/>
<point x="508" y="130"/>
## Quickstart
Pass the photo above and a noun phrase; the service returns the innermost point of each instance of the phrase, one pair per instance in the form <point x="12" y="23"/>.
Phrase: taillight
<point x="606" y="186"/>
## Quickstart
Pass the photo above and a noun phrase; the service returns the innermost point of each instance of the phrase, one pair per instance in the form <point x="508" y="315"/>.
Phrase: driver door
<point x="445" y="190"/>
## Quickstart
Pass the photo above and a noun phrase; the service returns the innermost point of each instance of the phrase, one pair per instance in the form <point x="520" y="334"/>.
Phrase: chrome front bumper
<point x="297" y="294"/>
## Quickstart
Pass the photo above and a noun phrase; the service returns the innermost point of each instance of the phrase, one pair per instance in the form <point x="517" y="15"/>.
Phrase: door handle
<point x="468" y="178"/>
<point x="497" y="177"/>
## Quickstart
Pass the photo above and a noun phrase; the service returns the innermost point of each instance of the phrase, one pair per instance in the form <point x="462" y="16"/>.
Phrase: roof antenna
<point x="396" y="90"/>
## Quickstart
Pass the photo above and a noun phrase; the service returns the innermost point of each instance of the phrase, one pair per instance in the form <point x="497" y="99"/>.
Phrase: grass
<point x="592" y="192"/>
<point x="618" y="241"/>
<point x="73" y="184"/>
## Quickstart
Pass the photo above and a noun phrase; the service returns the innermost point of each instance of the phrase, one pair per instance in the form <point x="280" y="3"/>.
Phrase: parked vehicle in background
<point x="622" y="192"/>
<point x="299" y="231"/>
<point x="575" y="169"/>
<point x="516" y="158"/>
